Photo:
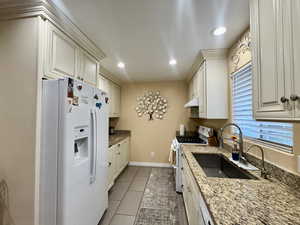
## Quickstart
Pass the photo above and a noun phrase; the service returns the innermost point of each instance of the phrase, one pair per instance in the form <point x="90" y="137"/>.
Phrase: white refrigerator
<point x="73" y="156"/>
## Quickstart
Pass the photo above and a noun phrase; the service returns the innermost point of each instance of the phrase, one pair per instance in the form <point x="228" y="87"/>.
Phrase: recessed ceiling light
<point x="219" y="31"/>
<point x="172" y="62"/>
<point x="121" y="65"/>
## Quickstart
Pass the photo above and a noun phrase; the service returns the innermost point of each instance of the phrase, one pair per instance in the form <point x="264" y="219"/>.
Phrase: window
<point x="272" y="133"/>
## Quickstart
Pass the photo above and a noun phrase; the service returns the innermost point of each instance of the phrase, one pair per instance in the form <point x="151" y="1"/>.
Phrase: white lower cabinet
<point x="118" y="159"/>
<point x="125" y="152"/>
<point x="196" y="210"/>
<point x="110" y="170"/>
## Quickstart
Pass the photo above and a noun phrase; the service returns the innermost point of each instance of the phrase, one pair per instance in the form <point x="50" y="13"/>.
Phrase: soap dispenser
<point x="235" y="151"/>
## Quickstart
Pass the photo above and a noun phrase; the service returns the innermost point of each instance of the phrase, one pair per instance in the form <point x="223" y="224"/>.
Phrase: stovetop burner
<point x="190" y="138"/>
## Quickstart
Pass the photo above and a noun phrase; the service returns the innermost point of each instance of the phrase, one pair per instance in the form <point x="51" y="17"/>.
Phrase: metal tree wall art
<point x="152" y="104"/>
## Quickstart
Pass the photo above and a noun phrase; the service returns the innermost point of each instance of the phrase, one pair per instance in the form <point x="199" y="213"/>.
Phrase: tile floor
<point x="145" y="196"/>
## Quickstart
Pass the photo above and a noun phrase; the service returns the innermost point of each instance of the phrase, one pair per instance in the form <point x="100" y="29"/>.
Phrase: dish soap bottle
<point x="235" y="152"/>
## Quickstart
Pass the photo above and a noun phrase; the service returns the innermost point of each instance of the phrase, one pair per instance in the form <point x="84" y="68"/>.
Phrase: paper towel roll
<point x="181" y="130"/>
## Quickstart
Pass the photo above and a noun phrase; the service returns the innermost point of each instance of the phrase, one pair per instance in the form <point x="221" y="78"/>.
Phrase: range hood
<point x="193" y="103"/>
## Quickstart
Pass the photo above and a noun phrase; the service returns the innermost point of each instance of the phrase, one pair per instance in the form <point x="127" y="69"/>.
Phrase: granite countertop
<point x="119" y="135"/>
<point x="244" y="202"/>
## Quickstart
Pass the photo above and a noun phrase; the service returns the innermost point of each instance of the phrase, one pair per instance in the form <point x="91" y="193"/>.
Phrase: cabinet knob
<point x="283" y="99"/>
<point x="109" y="163"/>
<point x="294" y="98"/>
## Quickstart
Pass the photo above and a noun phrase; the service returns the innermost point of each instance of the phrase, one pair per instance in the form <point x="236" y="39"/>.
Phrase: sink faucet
<point x="264" y="173"/>
<point x="240" y="142"/>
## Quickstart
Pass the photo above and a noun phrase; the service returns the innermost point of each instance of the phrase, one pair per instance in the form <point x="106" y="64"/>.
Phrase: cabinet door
<point x="110" y="172"/>
<point x="116" y="160"/>
<point x="90" y="68"/>
<point x="61" y="54"/>
<point x="191" y="89"/>
<point x="202" y="90"/>
<point x="103" y="84"/>
<point x="117" y="98"/>
<point x="111" y="99"/>
<point x="119" y="163"/>
<point x="296" y="47"/>
<point x="195" y="85"/>
<point x="271" y="79"/>
<point x="125" y="152"/>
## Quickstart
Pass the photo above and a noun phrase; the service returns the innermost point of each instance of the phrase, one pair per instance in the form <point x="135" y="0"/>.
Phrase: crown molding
<point x="220" y="53"/>
<point x="16" y="9"/>
<point x="107" y="74"/>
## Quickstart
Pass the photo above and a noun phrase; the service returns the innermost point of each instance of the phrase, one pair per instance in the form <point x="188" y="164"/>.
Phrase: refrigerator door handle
<point x="94" y="146"/>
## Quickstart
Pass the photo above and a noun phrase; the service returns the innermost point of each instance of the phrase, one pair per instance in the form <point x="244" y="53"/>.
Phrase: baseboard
<point x="149" y="164"/>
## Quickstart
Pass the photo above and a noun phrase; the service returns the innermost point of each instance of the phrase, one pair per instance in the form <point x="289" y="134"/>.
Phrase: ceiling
<point x="146" y="34"/>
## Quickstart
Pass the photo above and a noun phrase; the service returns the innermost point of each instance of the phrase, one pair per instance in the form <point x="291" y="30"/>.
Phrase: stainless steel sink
<point x="217" y="165"/>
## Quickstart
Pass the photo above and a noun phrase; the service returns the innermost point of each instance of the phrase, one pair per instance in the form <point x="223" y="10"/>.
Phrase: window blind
<point x="270" y="132"/>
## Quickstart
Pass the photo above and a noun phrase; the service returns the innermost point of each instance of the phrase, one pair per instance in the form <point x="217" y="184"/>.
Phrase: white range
<point x="194" y="138"/>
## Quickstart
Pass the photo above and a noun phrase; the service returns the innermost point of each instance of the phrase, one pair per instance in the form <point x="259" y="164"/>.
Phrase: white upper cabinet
<point x="64" y="58"/>
<point x="296" y="50"/>
<point x="89" y="68"/>
<point x="114" y="94"/>
<point x="193" y="87"/>
<point x="61" y="53"/>
<point x="115" y="99"/>
<point x="274" y="31"/>
<point x="201" y="74"/>
<point x="103" y="84"/>
<point x="210" y="86"/>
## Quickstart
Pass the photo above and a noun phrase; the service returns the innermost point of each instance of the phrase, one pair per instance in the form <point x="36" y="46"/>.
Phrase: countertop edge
<point x="118" y="137"/>
<point x="212" y="192"/>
